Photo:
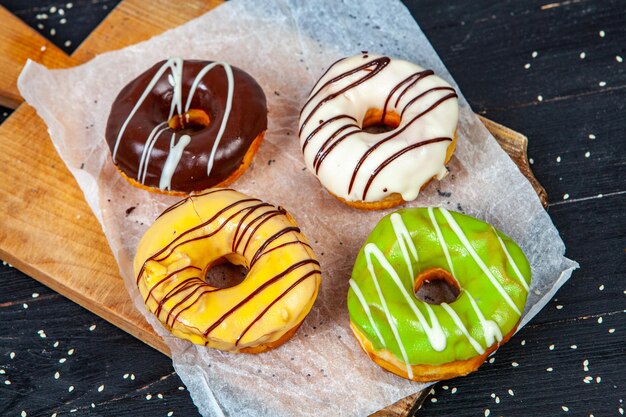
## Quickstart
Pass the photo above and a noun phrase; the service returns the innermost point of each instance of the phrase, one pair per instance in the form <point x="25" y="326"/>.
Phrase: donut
<point x="223" y="225"/>
<point x="185" y="126"/>
<point x="375" y="130"/>
<point x="434" y="292"/>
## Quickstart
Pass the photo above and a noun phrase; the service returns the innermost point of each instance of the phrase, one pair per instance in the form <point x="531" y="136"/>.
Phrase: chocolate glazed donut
<point x="186" y="126"/>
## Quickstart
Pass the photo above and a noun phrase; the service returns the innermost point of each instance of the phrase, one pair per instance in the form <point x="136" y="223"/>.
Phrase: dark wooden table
<point x="553" y="71"/>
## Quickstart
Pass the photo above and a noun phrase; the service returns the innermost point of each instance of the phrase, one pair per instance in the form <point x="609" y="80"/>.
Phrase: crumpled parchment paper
<point x="286" y="45"/>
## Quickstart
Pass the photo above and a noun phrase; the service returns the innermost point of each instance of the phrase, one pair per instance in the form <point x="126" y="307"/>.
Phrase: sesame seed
<point x="573" y="347"/>
<point x="132" y="377"/>
<point x="93" y="405"/>
<point x="56" y="344"/>
<point x="497" y="400"/>
<point x="53" y="32"/>
<point x="602" y="83"/>
<point x="592" y="136"/>
<point x="621" y="410"/>
<point x="514" y="364"/>
<point x="54" y="415"/>
<point x="69" y="5"/>
<point x="558" y="159"/>
<point x="587" y="379"/>
<point x="585" y="365"/>
<point x="565" y="196"/>
<point x="453" y="390"/>
<point x="61" y="12"/>
<point x="101" y="388"/>
<point x="532" y="161"/>
<point x="445" y="387"/>
<point x="70" y="352"/>
<point x="587" y="155"/>
<point x="25" y="306"/>
<point x="487" y="412"/>
<point x="43" y="48"/>
<point x="62" y="360"/>
<point x="611" y="331"/>
<point x="492" y="360"/>
<point x="73" y="410"/>
<point x="63" y="21"/>
<point x="40" y="26"/>
<point x="565" y="408"/>
<point x="433" y="400"/>
<point x="598" y="380"/>
<point x="2" y="372"/>
<point x="181" y="388"/>
<point x="71" y="388"/>
<point x="534" y="54"/>
<point x="57" y="375"/>
<point x="92" y="327"/>
<point x="23" y="414"/>
<point x="599" y="320"/>
<point x="549" y="369"/>
<point x="601" y="287"/>
<point x="125" y="376"/>
<point x="160" y="396"/>
<point x="523" y="342"/>
<point x="7" y="382"/>
<point x="582" y="55"/>
<point x="12" y="355"/>
<point x="551" y="347"/>
<point x="53" y="9"/>
<point x="148" y="397"/>
<point x="67" y="43"/>
<point x="540" y="98"/>
<point x="493" y="395"/>
<point x="602" y="34"/>
<point x="526" y="66"/>
<point x="170" y="414"/>
<point x="619" y="58"/>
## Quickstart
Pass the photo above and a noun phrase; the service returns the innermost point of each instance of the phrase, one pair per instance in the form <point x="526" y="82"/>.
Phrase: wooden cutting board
<point x="46" y="228"/>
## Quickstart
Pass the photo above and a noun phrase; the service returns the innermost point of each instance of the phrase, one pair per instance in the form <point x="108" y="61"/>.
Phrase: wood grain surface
<point x="556" y="135"/>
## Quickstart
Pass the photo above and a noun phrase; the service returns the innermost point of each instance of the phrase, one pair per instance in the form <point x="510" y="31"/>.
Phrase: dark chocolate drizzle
<point x="333" y="140"/>
<point x="195" y="287"/>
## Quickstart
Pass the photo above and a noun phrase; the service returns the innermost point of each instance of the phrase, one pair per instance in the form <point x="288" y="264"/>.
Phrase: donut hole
<point x="374" y="122"/>
<point x="436" y="286"/>
<point x="223" y="273"/>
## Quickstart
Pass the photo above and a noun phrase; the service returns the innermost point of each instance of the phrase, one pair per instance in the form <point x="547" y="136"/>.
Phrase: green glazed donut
<point x="423" y="341"/>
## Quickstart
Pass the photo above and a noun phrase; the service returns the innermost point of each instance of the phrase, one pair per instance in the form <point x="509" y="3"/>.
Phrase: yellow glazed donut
<point x="340" y="127"/>
<point x="261" y="312"/>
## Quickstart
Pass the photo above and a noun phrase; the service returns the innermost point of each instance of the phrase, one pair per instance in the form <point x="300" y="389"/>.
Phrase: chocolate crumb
<point x="443" y="193"/>
<point x="82" y="165"/>
<point x="276" y="93"/>
<point x="130" y="210"/>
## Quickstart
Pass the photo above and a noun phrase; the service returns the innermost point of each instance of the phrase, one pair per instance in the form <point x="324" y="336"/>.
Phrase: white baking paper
<point x="286" y="45"/>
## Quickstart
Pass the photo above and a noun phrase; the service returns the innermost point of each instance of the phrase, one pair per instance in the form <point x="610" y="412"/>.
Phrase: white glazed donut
<point x="378" y="170"/>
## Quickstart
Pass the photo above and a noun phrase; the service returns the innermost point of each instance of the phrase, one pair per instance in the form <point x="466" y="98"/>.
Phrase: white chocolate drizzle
<point x="459" y="323"/>
<point x="366" y="308"/>
<point x="459" y="233"/>
<point x="175" y="65"/>
<point x="173" y="158"/>
<point x="404" y="237"/>
<point x="434" y="332"/>
<point x="511" y="261"/>
<point x="491" y="330"/>
<point x="373" y="249"/>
